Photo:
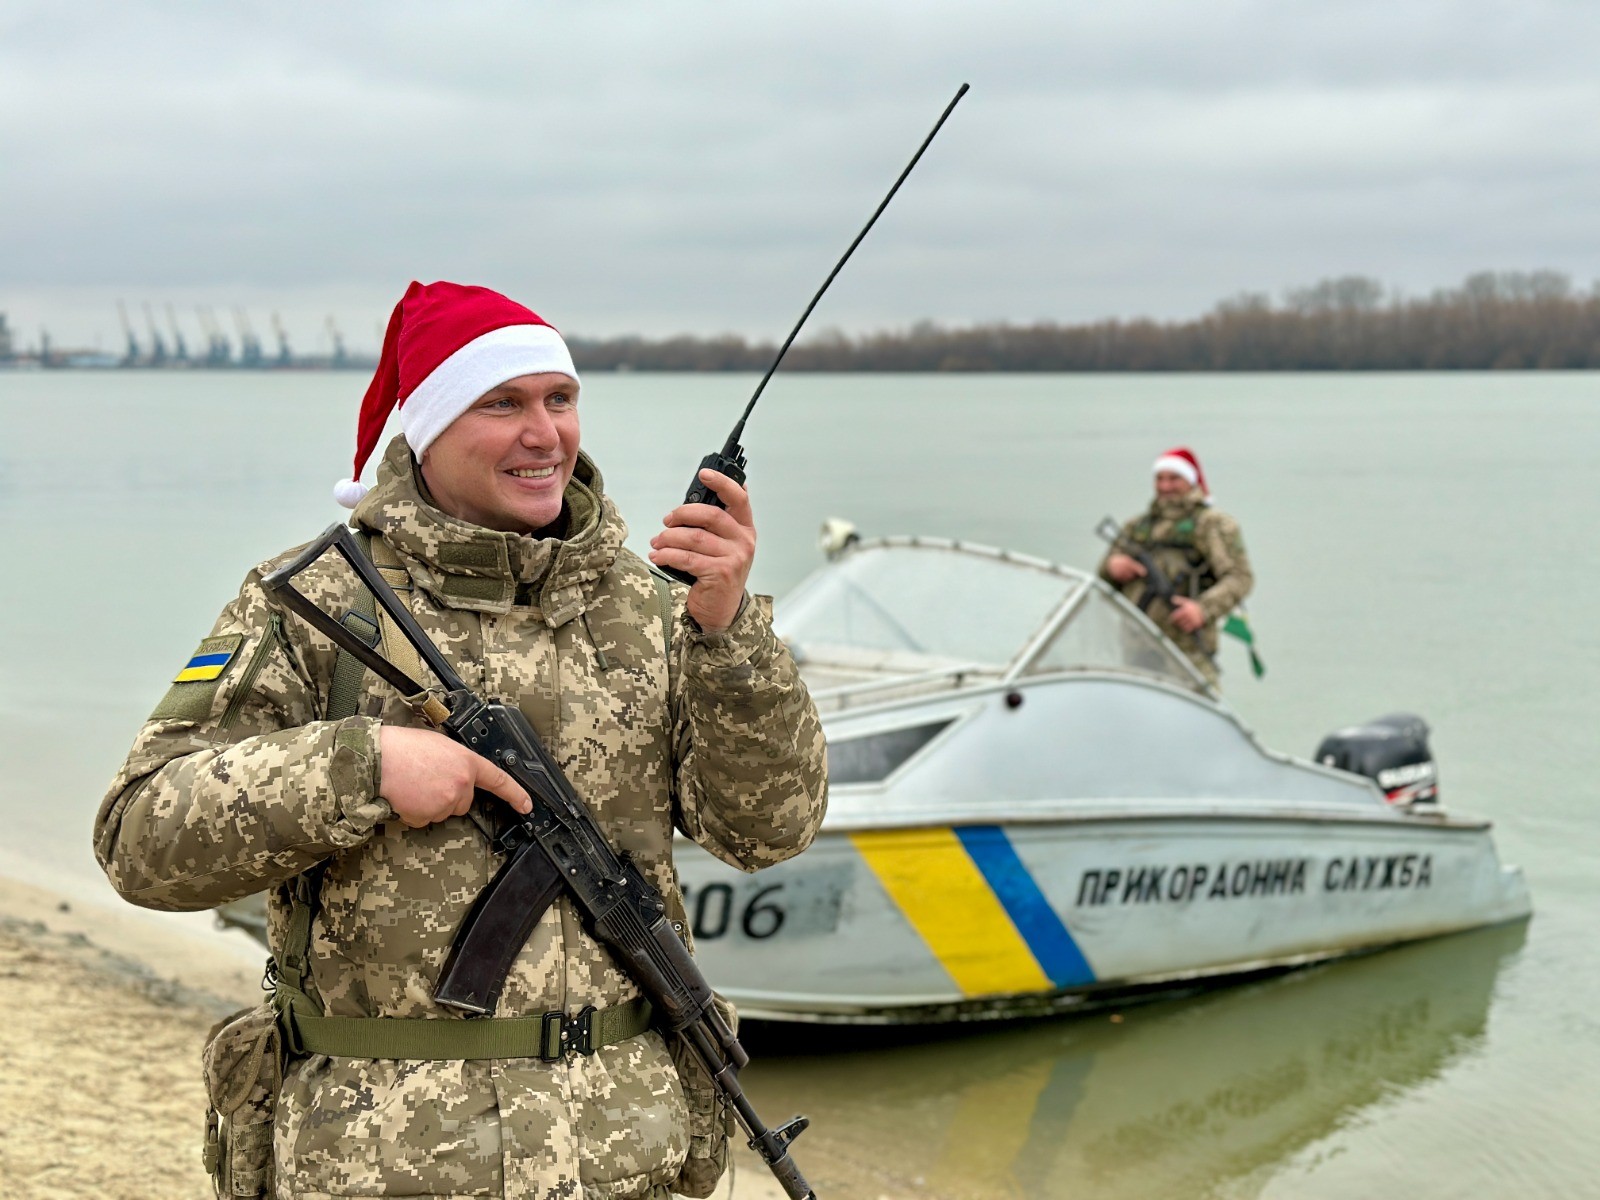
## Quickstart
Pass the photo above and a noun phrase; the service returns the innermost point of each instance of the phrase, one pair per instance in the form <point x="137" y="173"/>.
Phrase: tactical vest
<point x="1200" y="575"/>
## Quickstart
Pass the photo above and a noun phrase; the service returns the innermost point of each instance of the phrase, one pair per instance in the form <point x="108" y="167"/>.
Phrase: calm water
<point x="1421" y="542"/>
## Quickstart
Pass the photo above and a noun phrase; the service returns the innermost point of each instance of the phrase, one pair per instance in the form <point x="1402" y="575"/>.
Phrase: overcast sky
<point x="698" y="167"/>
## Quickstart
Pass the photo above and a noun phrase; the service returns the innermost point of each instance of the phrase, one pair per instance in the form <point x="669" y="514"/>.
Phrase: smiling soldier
<point x="271" y="765"/>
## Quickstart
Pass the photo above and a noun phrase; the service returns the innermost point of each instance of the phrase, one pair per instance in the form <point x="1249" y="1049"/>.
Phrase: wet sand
<point x="102" y="1016"/>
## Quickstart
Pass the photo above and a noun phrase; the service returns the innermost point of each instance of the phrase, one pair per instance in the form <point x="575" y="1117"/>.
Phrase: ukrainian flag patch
<point x="210" y="659"/>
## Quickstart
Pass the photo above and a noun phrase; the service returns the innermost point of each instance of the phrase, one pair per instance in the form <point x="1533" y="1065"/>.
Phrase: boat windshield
<point x="1102" y="635"/>
<point x="909" y="607"/>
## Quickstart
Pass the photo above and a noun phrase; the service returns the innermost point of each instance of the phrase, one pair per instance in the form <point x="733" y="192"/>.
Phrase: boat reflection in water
<point x="1195" y="1097"/>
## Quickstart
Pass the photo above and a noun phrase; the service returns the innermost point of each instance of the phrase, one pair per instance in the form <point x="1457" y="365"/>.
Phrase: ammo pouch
<point x="244" y="1060"/>
<point x="710" y="1116"/>
<point x="243" y="1063"/>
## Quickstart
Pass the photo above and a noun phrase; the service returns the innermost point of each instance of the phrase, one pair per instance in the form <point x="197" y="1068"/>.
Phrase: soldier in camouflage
<point x="1197" y="547"/>
<point x="510" y="556"/>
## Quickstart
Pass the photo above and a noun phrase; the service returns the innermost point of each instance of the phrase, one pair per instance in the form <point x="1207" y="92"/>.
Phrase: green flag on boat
<point x="1238" y="625"/>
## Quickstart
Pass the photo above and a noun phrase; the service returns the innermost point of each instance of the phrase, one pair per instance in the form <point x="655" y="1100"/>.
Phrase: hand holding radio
<point x="713" y="542"/>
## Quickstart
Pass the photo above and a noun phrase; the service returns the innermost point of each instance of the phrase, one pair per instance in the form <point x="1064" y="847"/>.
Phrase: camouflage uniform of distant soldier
<point x="1199" y="549"/>
<point x="239" y="784"/>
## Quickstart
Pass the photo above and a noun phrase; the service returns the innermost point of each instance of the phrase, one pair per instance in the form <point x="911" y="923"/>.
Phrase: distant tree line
<point x="1507" y="320"/>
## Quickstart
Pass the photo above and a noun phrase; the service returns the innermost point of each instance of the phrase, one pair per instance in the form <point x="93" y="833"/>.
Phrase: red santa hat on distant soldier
<point x="1180" y="460"/>
<point x="446" y="345"/>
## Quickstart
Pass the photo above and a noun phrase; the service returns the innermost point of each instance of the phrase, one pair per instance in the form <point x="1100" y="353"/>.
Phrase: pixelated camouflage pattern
<point x="723" y="743"/>
<point x="243" y="1067"/>
<point x="1218" y="539"/>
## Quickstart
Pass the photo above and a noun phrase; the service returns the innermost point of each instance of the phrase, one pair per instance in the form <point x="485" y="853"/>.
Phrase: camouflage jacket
<point x="1202" y="551"/>
<point x="239" y="784"/>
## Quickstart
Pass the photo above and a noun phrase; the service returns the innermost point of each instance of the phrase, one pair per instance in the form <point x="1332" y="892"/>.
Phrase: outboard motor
<point x="1391" y="751"/>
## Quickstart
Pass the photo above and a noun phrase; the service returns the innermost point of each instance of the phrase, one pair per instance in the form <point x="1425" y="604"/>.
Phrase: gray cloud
<point x="625" y="166"/>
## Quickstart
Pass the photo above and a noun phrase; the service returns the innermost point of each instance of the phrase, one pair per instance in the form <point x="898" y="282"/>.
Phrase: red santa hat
<point x="1180" y="460"/>
<point x="446" y="345"/>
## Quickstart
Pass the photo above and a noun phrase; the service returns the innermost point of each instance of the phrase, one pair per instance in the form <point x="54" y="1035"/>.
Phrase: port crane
<point x="158" y="345"/>
<point x="218" y="352"/>
<point x="284" y="357"/>
<point x="338" y="357"/>
<point x="249" y="343"/>
<point x="132" y="357"/>
<point x="180" y="352"/>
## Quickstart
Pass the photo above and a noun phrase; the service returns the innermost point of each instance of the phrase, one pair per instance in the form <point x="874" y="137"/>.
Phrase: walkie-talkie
<point x="730" y="459"/>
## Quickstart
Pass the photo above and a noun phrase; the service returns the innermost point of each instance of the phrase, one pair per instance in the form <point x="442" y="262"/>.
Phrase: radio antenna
<point x="738" y="430"/>
<point x="730" y="461"/>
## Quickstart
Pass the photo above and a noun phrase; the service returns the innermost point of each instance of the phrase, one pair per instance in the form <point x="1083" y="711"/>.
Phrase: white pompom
<point x="348" y="492"/>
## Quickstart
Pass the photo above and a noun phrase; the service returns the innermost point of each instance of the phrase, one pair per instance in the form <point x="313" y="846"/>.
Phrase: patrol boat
<point x="1037" y="803"/>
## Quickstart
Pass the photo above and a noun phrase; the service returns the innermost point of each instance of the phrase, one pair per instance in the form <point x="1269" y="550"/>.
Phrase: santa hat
<point x="1180" y="460"/>
<point x="446" y="345"/>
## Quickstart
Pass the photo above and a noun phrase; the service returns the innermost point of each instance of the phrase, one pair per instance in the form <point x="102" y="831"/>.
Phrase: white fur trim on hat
<point x="349" y="492"/>
<point x="483" y="363"/>
<point x="1178" y="466"/>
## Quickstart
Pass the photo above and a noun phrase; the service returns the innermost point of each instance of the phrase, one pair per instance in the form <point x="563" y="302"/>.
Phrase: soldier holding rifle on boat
<point x="1181" y="561"/>
<point x="280" y="760"/>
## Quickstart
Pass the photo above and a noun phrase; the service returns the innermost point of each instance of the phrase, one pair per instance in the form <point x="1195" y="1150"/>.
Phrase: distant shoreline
<point x="75" y="361"/>
<point x="1491" y="321"/>
<point x="34" y="368"/>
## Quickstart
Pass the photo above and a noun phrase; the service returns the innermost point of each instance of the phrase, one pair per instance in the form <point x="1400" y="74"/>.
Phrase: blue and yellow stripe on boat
<point x="203" y="667"/>
<point x="976" y="905"/>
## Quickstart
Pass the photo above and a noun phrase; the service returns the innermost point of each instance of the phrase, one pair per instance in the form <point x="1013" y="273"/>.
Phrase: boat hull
<point x="940" y="923"/>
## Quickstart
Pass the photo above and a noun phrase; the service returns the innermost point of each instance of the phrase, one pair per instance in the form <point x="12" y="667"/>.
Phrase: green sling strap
<point x="363" y="620"/>
<point x="664" y="603"/>
<point x="344" y="693"/>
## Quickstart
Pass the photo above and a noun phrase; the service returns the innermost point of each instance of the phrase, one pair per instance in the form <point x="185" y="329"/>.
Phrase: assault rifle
<point x="557" y="846"/>
<point x="1156" y="584"/>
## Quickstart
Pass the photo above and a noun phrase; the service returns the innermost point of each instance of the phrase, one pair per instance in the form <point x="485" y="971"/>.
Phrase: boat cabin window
<point x="874" y="757"/>
<point x="916" y="608"/>
<point x="1101" y="636"/>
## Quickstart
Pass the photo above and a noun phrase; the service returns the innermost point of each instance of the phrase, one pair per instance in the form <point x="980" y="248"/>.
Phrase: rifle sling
<point x="375" y="627"/>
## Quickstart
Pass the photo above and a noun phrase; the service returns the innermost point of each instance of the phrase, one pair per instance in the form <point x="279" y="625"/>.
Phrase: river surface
<point x="1421" y="542"/>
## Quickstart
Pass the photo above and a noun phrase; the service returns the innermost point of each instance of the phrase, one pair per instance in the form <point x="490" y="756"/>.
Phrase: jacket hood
<point x="487" y="570"/>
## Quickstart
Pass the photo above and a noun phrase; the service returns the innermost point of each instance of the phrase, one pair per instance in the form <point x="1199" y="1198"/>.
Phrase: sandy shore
<point x="102" y="1016"/>
<point x="100" y="1092"/>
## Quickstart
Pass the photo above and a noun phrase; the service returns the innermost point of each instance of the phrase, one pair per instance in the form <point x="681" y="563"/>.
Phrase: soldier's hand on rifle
<point x="1187" y="614"/>
<point x="714" y="545"/>
<point x="426" y="777"/>
<point x="1124" y="569"/>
